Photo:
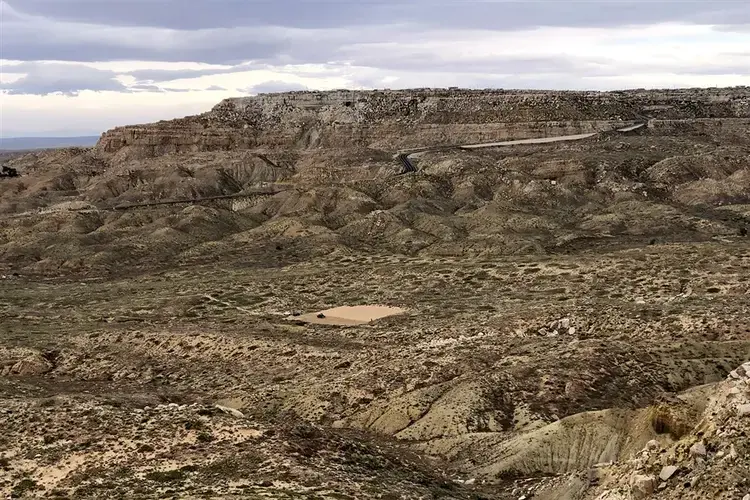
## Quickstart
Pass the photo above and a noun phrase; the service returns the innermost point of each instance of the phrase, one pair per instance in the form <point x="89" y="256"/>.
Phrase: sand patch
<point x="350" y="315"/>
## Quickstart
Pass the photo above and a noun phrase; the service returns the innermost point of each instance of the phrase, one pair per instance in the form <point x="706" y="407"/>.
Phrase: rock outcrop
<point x="22" y="362"/>
<point x="394" y="120"/>
<point x="709" y="461"/>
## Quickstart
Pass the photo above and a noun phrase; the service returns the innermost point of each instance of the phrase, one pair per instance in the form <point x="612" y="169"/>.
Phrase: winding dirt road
<point x="409" y="167"/>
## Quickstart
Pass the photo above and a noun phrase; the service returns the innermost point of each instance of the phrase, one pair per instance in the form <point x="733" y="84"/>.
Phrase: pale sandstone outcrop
<point x="396" y="120"/>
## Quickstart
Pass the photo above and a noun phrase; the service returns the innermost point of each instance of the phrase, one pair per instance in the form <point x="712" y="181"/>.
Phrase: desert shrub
<point x="23" y="487"/>
<point x="205" y="437"/>
<point x="166" y="476"/>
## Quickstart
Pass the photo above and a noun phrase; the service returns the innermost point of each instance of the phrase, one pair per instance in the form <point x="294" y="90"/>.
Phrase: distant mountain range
<point x="22" y="143"/>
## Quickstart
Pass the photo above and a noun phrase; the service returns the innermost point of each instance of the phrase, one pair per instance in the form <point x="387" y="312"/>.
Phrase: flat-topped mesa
<point x="399" y="119"/>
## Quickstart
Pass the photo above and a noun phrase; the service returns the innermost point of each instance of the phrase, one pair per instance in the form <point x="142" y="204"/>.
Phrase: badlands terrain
<point x="567" y="319"/>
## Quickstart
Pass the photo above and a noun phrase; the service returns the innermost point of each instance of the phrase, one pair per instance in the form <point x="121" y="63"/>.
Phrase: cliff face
<point x="331" y="156"/>
<point x="394" y="120"/>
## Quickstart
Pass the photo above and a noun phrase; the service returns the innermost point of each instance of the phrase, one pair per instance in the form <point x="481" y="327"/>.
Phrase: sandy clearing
<point x="350" y="315"/>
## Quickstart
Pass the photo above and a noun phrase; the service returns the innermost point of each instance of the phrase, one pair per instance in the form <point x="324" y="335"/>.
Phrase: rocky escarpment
<point x="330" y="159"/>
<point x="393" y="120"/>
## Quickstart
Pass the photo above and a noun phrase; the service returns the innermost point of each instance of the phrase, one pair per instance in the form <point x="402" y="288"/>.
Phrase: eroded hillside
<point x="570" y="306"/>
<point x="312" y="173"/>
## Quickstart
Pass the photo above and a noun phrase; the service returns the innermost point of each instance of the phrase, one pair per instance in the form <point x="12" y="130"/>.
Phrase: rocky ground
<point x="575" y="326"/>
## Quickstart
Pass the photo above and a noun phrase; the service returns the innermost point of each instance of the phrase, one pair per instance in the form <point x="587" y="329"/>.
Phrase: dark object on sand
<point x="321" y="315"/>
<point x="8" y="172"/>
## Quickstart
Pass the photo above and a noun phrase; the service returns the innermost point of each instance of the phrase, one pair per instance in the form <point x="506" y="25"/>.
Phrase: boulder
<point x="33" y="364"/>
<point x="642" y="486"/>
<point x="653" y="445"/>
<point x="230" y="411"/>
<point x="698" y="449"/>
<point x="667" y="472"/>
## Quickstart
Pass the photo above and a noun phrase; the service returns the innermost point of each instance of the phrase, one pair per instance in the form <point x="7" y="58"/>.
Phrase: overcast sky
<point x="79" y="67"/>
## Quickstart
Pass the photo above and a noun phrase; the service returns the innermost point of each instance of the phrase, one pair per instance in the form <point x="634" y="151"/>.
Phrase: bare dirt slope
<point x="572" y="312"/>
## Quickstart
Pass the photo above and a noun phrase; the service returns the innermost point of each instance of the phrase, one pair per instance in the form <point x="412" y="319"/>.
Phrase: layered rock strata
<point x="395" y="120"/>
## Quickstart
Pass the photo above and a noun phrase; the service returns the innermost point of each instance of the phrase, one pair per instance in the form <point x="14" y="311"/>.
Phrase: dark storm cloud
<point x="166" y="75"/>
<point x="484" y="14"/>
<point x="430" y="61"/>
<point x="421" y="60"/>
<point x="514" y="15"/>
<point x="732" y="13"/>
<point x="86" y="52"/>
<point x="28" y="37"/>
<point x="197" y="14"/>
<point x="562" y="64"/>
<point x="148" y="87"/>
<point x="145" y="87"/>
<point x="68" y="79"/>
<point x="44" y="78"/>
<point x="298" y="31"/>
<point x="737" y="28"/>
